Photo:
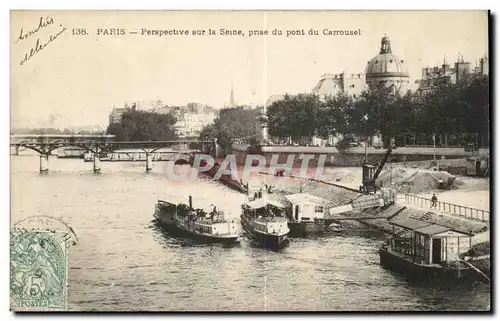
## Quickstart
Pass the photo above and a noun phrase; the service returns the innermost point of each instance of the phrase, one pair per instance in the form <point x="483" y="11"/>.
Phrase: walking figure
<point x="440" y="184"/>
<point x="434" y="200"/>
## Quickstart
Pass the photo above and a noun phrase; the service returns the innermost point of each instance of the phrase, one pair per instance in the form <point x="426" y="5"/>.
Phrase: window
<point x="318" y="209"/>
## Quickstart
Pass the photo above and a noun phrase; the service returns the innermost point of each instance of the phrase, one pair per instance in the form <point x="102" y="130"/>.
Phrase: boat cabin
<point x="429" y="243"/>
<point x="217" y="224"/>
<point x="307" y="207"/>
<point x="261" y="207"/>
<point x="268" y="216"/>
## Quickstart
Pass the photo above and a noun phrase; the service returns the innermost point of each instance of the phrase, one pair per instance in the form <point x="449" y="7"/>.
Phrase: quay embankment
<point x="354" y="156"/>
<point x="463" y="191"/>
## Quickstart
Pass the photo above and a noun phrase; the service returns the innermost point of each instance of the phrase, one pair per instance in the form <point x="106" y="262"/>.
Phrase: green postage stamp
<point x="38" y="271"/>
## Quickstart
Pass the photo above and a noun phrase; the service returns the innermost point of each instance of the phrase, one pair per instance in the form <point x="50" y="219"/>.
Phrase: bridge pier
<point x="97" y="163"/>
<point x="44" y="163"/>
<point x="17" y="150"/>
<point x="149" y="162"/>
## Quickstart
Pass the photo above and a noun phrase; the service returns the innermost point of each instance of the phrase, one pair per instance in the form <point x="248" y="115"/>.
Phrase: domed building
<point x="331" y="84"/>
<point x="387" y="68"/>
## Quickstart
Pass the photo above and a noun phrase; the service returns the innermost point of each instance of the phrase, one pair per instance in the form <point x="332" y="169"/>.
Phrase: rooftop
<point x="306" y="198"/>
<point x="260" y="203"/>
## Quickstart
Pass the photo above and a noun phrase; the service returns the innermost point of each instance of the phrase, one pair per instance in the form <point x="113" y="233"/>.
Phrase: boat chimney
<point x="190" y="201"/>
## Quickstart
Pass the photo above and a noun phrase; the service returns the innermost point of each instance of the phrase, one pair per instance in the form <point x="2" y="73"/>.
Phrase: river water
<point x="124" y="262"/>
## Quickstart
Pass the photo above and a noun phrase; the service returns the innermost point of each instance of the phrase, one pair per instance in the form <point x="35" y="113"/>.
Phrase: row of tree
<point x="232" y="125"/>
<point x="448" y="110"/>
<point x="140" y="125"/>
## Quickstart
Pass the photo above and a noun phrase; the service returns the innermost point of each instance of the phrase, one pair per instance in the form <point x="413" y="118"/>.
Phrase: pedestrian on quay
<point x="434" y="200"/>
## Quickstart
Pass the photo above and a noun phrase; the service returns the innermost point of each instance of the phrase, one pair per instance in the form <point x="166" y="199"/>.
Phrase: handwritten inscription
<point x="41" y="42"/>
<point x="39" y="46"/>
<point x="42" y="23"/>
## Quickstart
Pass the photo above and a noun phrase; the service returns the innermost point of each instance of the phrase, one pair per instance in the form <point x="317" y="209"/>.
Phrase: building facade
<point x="116" y="115"/>
<point x="190" y="120"/>
<point x="447" y="75"/>
<point x="385" y="68"/>
<point x="332" y="84"/>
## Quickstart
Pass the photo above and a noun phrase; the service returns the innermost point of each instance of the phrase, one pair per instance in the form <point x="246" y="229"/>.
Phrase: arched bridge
<point x="95" y="144"/>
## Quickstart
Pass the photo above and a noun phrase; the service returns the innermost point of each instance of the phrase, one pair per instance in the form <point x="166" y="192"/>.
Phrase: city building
<point x="387" y="68"/>
<point x="148" y="105"/>
<point x="332" y="84"/>
<point x="116" y="115"/>
<point x="384" y="68"/>
<point x="165" y="110"/>
<point x="446" y="75"/>
<point x="191" y="124"/>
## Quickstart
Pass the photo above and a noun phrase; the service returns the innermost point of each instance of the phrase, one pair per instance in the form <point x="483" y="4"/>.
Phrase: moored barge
<point x="427" y="251"/>
<point x="264" y="221"/>
<point x="184" y="220"/>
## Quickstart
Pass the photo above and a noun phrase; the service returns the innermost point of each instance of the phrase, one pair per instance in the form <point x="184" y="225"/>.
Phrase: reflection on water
<point x="123" y="261"/>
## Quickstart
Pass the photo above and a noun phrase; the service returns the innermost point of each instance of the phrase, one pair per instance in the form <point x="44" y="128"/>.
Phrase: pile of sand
<point x="409" y="180"/>
<point x="344" y="177"/>
<point x="338" y="196"/>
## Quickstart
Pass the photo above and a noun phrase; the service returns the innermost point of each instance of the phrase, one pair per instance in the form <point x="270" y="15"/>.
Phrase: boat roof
<point x="409" y="223"/>
<point x="260" y="203"/>
<point x="432" y="229"/>
<point x="422" y="227"/>
<point x="166" y="203"/>
<point x="305" y="198"/>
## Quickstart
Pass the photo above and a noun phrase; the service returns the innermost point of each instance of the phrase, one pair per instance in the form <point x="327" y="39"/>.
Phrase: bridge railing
<point x="459" y="210"/>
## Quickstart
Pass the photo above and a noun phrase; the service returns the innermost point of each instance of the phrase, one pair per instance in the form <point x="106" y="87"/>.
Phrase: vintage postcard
<point x="250" y="161"/>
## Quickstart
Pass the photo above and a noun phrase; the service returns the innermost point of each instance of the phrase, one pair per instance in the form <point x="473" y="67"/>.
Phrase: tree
<point x="476" y="104"/>
<point x="234" y="124"/>
<point x="407" y="111"/>
<point x="373" y="113"/>
<point x="295" y="117"/>
<point x="139" y="125"/>
<point x="334" y="116"/>
<point x="279" y="118"/>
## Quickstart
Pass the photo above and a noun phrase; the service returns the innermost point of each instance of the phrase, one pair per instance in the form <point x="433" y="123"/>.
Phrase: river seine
<point x="124" y="262"/>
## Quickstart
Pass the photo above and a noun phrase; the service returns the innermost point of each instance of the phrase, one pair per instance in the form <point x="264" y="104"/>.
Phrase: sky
<point x="79" y="78"/>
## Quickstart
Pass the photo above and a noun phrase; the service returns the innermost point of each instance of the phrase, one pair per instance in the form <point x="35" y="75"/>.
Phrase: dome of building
<point x="386" y="67"/>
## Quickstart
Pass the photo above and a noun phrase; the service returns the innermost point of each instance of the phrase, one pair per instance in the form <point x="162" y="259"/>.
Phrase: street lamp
<point x="434" y="140"/>
<point x="366" y="140"/>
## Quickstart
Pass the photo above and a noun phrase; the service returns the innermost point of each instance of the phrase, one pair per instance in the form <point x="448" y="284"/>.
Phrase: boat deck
<point x="415" y="260"/>
<point x="277" y="219"/>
